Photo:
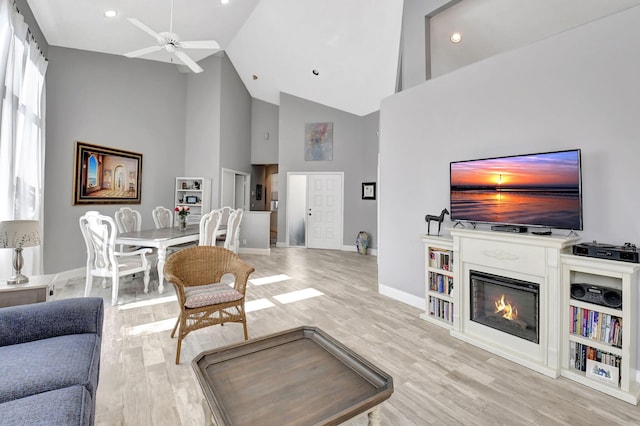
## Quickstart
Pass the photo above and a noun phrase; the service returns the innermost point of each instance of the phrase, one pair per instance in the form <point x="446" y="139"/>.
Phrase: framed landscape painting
<point x="104" y="175"/>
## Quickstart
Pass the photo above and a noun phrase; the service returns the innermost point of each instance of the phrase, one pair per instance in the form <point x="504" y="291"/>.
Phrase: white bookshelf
<point x="585" y="327"/>
<point x="195" y="193"/>
<point x="439" y="281"/>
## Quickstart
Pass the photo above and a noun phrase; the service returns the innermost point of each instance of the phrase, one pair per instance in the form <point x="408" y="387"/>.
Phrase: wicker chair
<point x="196" y="273"/>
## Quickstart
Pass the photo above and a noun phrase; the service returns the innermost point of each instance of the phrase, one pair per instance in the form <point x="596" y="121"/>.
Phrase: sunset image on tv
<point x="536" y="189"/>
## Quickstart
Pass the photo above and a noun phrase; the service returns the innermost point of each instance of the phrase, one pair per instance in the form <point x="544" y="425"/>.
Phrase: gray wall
<point x="235" y="121"/>
<point x="112" y="101"/>
<point x="354" y="145"/>
<point x="202" y="148"/>
<point x="578" y="89"/>
<point x="413" y="40"/>
<point x="218" y="123"/>
<point x="264" y="119"/>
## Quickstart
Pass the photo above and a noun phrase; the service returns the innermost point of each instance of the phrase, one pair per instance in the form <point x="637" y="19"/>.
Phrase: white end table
<point x="38" y="289"/>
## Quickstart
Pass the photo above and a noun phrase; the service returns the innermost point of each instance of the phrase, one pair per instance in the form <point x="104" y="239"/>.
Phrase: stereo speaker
<point x="603" y="296"/>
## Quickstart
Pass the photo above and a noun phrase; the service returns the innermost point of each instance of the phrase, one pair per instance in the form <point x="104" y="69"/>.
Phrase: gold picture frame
<point x="104" y="175"/>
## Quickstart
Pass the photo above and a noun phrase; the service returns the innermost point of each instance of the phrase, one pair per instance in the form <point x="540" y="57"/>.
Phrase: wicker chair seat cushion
<point x="211" y="294"/>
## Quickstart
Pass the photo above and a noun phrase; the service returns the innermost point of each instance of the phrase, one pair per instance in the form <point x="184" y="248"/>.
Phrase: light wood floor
<point x="438" y="380"/>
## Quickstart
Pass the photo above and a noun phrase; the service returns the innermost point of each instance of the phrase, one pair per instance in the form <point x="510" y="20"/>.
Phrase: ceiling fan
<point x="171" y="42"/>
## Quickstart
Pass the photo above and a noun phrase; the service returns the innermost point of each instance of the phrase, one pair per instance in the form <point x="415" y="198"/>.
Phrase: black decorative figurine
<point x="428" y="218"/>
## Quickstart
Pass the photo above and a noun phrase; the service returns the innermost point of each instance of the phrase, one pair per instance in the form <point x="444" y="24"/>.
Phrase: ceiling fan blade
<point x="188" y="61"/>
<point x="141" y="52"/>
<point x="146" y="29"/>
<point x="200" y="44"/>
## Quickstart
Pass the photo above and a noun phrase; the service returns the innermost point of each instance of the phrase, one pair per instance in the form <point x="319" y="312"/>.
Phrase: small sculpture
<point x="428" y="218"/>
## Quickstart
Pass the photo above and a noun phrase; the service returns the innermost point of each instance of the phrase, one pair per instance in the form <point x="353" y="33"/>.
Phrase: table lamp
<point x="17" y="234"/>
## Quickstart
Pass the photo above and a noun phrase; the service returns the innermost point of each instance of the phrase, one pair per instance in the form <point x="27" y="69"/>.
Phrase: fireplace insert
<point x="506" y="304"/>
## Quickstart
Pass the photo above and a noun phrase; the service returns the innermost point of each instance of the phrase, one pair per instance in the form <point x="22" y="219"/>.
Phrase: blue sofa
<point x="50" y="361"/>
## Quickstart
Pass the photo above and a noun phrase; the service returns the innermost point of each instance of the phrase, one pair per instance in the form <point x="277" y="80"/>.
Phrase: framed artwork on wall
<point x="368" y="190"/>
<point x="104" y="175"/>
<point x="318" y="142"/>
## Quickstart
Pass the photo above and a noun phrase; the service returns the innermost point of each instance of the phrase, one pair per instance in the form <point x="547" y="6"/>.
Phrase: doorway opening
<point x="234" y="189"/>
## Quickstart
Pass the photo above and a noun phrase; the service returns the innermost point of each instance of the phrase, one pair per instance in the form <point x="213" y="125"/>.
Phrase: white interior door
<point x="324" y="211"/>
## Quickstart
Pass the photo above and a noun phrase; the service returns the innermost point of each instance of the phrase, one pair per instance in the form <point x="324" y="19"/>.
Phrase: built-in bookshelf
<point x="439" y="280"/>
<point x="600" y="339"/>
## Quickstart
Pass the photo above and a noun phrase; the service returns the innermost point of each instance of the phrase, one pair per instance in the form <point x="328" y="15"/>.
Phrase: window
<point x="22" y="69"/>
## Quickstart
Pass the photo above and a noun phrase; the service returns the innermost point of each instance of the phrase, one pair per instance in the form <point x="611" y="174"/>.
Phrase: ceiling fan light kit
<point x="170" y="42"/>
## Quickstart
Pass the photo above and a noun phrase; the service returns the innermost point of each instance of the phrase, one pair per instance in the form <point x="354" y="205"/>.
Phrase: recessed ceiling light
<point x="224" y="1"/>
<point x="110" y="13"/>
<point x="315" y="72"/>
<point x="456" y="38"/>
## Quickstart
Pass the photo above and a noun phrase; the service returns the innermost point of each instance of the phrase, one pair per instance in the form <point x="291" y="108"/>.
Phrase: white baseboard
<point x="372" y="252"/>
<point x="249" y="250"/>
<point x="394" y="293"/>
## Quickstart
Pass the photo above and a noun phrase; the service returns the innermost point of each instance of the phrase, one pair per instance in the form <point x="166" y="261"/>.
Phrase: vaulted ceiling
<point x="340" y="53"/>
<point x="353" y="45"/>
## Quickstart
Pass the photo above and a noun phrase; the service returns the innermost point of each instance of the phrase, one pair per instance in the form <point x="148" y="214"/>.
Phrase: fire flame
<point x="508" y="311"/>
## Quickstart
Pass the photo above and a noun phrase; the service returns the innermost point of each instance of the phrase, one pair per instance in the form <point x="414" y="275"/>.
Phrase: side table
<point x="38" y="289"/>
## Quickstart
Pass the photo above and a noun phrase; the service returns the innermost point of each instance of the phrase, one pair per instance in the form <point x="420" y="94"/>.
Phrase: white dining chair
<point x="232" y="240"/>
<point x="103" y="260"/>
<point x="224" y="221"/>
<point x="128" y="220"/>
<point x="162" y="217"/>
<point x="209" y="225"/>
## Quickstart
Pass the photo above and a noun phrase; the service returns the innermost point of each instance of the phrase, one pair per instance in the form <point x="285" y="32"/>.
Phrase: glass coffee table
<point x="300" y="376"/>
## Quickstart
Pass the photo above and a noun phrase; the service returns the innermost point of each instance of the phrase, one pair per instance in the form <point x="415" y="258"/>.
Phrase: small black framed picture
<point x="368" y="190"/>
<point x="191" y="199"/>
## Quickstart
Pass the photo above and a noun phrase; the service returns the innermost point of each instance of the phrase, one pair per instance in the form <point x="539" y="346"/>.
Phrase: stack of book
<point x="596" y="326"/>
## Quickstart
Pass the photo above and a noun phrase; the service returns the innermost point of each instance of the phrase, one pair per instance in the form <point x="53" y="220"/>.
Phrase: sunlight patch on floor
<point x="256" y="305"/>
<point x="270" y="280"/>
<point x="151" y="328"/>
<point x="149" y="302"/>
<point x="296" y="296"/>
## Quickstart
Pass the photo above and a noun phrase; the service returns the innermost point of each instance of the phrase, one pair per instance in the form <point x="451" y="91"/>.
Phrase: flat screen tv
<point x="542" y="190"/>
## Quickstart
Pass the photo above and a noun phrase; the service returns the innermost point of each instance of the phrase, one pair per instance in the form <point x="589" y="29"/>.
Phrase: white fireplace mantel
<point x="525" y="257"/>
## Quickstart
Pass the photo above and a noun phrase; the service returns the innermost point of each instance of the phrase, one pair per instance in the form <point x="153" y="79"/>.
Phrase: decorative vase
<point x="362" y="242"/>
<point x="183" y="223"/>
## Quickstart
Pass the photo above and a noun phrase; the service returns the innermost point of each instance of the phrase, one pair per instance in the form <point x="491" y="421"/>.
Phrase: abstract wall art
<point x="318" y="142"/>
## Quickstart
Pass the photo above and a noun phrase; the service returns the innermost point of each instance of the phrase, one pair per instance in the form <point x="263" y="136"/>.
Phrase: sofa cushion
<point x="26" y="323"/>
<point x="67" y="406"/>
<point x="48" y="364"/>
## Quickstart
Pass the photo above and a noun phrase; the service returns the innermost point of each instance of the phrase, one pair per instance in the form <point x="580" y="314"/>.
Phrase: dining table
<point x="162" y="239"/>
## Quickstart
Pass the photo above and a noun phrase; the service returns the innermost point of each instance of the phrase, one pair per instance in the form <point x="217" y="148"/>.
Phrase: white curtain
<point x="22" y="132"/>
